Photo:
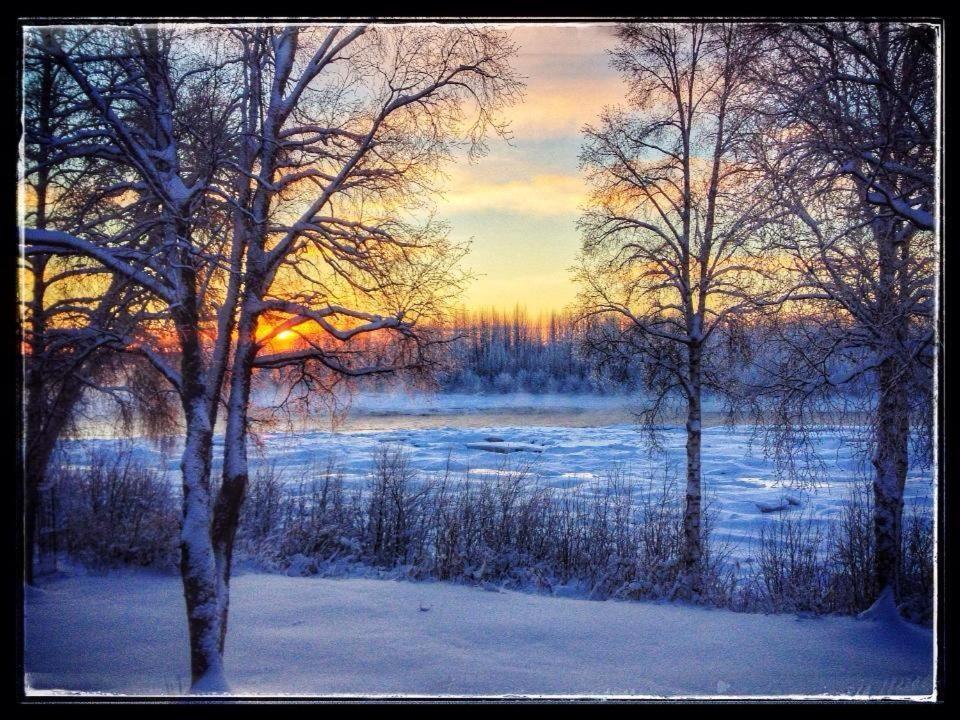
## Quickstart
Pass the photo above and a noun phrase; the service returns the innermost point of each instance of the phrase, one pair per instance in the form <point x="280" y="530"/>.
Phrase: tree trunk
<point x="235" y="467"/>
<point x="197" y="567"/>
<point x="233" y="488"/>
<point x="34" y="381"/>
<point x="890" y="464"/>
<point x="197" y="563"/>
<point x="892" y="429"/>
<point x="36" y="463"/>
<point x="690" y="584"/>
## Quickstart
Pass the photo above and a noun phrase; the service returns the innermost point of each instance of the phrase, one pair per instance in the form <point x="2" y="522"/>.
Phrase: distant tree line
<point x="496" y="351"/>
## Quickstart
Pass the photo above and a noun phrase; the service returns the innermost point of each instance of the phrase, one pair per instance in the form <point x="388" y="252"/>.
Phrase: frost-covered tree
<point x="849" y="147"/>
<point x="156" y="114"/>
<point x="667" y="235"/>
<point x="344" y="131"/>
<point x="531" y="355"/>
<point x="266" y="184"/>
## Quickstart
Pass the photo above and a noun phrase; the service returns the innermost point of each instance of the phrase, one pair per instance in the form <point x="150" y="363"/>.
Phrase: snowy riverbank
<point x="126" y="633"/>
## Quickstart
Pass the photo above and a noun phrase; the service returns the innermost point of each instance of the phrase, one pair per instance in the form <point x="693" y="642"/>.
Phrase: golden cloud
<point x="559" y="106"/>
<point x="543" y="194"/>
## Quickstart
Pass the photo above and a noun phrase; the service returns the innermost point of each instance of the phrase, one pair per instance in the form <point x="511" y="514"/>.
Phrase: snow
<point x="884" y="609"/>
<point x="293" y="635"/>
<point x="126" y="633"/>
<point x="741" y="486"/>
<point x="503" y="447"/>
<point x="212" y="682"/>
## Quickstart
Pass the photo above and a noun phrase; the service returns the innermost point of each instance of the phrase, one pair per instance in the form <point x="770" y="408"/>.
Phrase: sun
<point x="286" y="335"/>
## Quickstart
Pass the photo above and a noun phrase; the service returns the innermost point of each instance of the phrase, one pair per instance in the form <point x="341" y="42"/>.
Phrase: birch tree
<point x="667" y="233"/>
<point x="851" y="156"/>
<point x="163" y="236"/>
<point x="271" y="182"/>
<point x="348" y="128"/>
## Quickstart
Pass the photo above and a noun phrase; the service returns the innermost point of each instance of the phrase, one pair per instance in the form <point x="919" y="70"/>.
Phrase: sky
<point x="519" y="204"/>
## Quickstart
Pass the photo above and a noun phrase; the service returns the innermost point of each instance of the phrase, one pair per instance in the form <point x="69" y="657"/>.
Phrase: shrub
<point x="614" y="537"/>
<point x="113" y="511"/>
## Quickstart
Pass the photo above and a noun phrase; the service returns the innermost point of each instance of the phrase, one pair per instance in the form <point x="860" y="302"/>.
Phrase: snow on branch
<point x="55" y="242"/>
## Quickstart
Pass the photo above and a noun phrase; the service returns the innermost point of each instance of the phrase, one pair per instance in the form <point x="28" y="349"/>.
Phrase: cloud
<point x="543" y="194"/>
<point x="569" y="78"/>
<point x="562" y="106"/>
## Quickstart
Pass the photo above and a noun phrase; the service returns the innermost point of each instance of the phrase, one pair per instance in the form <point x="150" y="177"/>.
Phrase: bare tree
<point x="74" y="314"/>
<point x="850" y="154"/>
<point x="347" y="127"/>
<point x="861" y="97"/>
<point x="162" y="235"/>
<point x="667" y="236"/>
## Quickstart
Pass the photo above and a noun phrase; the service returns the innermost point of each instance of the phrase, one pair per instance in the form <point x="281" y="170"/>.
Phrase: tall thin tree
<point x="850" y="153"/>
<point x="667" y="234"/>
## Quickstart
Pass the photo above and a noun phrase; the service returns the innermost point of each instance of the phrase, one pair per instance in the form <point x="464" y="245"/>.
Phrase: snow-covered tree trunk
<point x="197" y="566"/>
<point x="197" y="557"/>
<point x="890" y="464"/>
<point x="892" y="425"/>
<point x="174" y="259"/>
<point x="250" y="233"/>
<point x="226" y="514"/>
<point x="197" y="562"/>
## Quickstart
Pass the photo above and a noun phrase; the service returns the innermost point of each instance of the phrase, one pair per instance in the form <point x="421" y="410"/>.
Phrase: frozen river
<point x="565" y="442"/>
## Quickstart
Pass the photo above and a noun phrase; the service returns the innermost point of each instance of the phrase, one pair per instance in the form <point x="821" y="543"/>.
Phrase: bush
<point x="113" y="511"/>
<point x="803" y="569"/>
<point x="916" y="580"/>
<point x="792" y="575"/>
<point x="281" y="521"/>
<point x="616" y="537"/>
<point x="613" y="538"/>
<point x="851" y="553"/>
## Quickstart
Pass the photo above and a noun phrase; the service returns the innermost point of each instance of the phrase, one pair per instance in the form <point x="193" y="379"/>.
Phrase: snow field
<point x="126" y="633"/>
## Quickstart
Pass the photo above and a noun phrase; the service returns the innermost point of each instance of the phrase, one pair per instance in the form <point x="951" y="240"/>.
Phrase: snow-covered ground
<point x="738" y="479"/>
<point x="126" y="633"/>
